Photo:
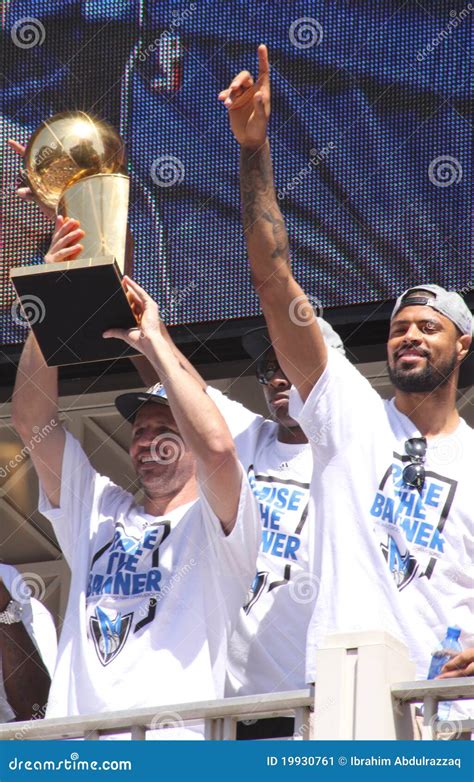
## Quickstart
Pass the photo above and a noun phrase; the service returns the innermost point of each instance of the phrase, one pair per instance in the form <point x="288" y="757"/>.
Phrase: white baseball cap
<point x="448" y="303"/>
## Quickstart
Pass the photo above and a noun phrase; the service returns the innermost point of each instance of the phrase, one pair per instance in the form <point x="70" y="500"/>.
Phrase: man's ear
<point x="463" y="344"/>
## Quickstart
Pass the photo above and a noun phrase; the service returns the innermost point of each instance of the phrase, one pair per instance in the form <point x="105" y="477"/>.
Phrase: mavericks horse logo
<point x="109" y="630"/>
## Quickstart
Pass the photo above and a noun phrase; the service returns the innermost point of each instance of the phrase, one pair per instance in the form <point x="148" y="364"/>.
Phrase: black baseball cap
<point x="129" y="404"/>
<point x="257" y="341"/>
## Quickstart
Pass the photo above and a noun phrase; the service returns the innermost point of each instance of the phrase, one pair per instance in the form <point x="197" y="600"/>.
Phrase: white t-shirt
<point x="153" y="600"/>
<point x="387" y="556"/>
<point x="267" y="649"/>
<point x="38" y="623"/>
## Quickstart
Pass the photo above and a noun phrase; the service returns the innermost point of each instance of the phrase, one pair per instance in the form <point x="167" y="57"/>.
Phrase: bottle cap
<point x="454" y="632"/>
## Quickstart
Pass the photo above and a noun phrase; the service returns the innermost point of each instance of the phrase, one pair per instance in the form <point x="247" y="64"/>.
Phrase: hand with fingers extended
<point x="64" y="244"/>
<point x="461" y="665"/>
<point x="24" y="191"/>
<point x="248" y="103"/>
<point x="148" y="329"/>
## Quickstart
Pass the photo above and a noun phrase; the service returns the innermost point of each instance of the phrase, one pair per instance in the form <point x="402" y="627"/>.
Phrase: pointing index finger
<point x="263" y="64"/>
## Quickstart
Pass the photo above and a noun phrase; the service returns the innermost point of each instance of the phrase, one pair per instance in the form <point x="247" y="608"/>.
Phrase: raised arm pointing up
<point x="297" y="340"/>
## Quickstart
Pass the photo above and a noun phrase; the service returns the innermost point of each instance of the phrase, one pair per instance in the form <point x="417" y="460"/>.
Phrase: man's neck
<point x="433" y="413"/>
<point x="293" y="435"/>
<point x="165" y="503"/>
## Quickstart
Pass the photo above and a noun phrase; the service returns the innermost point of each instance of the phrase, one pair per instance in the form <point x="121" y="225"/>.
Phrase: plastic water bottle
<point x="448" y="648"/>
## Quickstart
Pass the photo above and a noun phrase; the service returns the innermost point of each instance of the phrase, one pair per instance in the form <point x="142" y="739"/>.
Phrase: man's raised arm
<point x="35" y="417"/>
<point x="200" y="424"/>
<point x="293" y="327"/>
<point x="35" y="396"/>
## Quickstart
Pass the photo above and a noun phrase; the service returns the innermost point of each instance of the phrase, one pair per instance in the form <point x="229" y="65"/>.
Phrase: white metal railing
<point x="358" y="696"/>
<point x="220" y="718"/>
<point x="430" y="694"/>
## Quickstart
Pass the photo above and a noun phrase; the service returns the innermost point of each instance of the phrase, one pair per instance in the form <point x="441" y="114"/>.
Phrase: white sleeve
<point x="12" y="580"/>
<point x="238" y="417"/>
<point x="236" y="553"/>
<point x="44" y="634"/>
<point x="80" y="487"/>
<point x="244" y="425"/>
<point x="338" y="409"/>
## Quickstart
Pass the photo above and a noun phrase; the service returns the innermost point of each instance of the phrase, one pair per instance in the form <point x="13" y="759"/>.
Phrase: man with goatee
<point x="392" y="488"/>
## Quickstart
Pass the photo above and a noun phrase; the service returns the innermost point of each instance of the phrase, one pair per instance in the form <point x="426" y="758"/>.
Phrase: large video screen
<point x="370" y="134"/>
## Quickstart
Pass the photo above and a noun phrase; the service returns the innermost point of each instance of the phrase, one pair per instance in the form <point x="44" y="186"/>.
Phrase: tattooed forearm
<point x="280" y="236"/>
<point x="256" y="183"/>
<point x="263" y="222"/>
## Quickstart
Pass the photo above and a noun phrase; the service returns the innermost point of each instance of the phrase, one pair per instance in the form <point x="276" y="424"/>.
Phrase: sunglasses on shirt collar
<point x="414" y="472"/>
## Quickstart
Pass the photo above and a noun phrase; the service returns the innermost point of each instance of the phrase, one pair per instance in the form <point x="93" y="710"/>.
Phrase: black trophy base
<point x="69" y="306"/>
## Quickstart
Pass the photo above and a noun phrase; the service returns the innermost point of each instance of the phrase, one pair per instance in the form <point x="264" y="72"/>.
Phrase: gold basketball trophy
<point x="76" y="165"/>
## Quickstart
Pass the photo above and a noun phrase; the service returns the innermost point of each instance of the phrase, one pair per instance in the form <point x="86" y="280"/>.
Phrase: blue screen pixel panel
<point x="370" y="135"/>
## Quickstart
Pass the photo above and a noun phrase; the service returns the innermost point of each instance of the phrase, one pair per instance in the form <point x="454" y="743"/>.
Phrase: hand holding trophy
<point x="76" y="166"/>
